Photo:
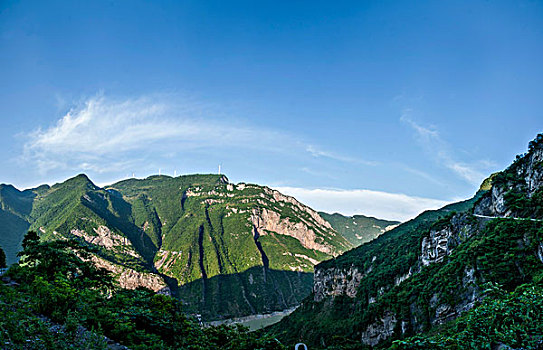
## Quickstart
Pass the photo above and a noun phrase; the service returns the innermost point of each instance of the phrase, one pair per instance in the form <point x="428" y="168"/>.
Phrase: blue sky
<point x="382" y="108"/>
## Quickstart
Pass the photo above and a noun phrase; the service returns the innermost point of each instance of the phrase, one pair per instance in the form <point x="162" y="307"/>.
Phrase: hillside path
<point x="502" y="217"/>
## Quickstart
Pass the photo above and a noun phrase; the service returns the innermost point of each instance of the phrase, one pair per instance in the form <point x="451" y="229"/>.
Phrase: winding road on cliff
<point x="502" y="217"/>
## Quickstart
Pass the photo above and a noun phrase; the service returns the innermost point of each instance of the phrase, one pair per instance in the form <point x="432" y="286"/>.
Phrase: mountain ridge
<point x="431" y="270"/>
<point x="185" y="236"/>
<point x="359" y="229"/>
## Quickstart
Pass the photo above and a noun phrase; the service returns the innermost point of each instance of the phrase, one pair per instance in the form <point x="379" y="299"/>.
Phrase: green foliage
<point x="77" y="307"/>
<point x="510" y="319"/>
<point x="15" y="208"/>
<point x="388" y="256"/>
<point x="503" y="252"/>
<point x="357" y="229"/>
<point x="486" y="185"/>
<point x="188" y="227"/>
<point x="63" y="259"/>
<point x="2" y="259"/>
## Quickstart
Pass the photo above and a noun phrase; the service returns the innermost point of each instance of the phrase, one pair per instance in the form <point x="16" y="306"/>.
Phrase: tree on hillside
<point x="68" y="258"/>
<point x="2" y="259"/>
<point x="31" y="238"/>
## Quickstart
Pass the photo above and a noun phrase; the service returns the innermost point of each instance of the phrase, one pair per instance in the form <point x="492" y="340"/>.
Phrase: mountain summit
<point x="226" y="250"/>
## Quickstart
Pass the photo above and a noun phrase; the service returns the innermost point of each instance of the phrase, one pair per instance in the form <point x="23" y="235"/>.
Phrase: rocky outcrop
<point x="334" y="282"/>
<point x="493" y="204"/>
<point x="441" y="241"/>
<point x="444" y="311"/>
<point x="380" y="330"/>
<point x="435" y="247"/>
<point x="525" y="175"/>
<point x="278" y="197"/>
<point x="132" y="279"/>
<point x="103" y="237"/>
<point x="269" y="211"/>
<point x="265" y="220"/>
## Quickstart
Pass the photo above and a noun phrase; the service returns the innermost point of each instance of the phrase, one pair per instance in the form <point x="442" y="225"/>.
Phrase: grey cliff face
<point x="334" y="282"/>
<point x="530" y="171"/>
<point x="439" y="243"/>
<point x="380" y="330"/>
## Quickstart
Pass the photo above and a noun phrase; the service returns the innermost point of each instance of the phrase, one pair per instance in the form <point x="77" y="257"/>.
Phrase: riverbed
<point x="255" y="322"/>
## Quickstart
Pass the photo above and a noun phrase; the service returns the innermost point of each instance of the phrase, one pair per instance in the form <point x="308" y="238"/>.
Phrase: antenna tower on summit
<point x="219" y="169"/>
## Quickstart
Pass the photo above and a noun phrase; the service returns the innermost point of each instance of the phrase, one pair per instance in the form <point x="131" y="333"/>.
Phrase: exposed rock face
<point x="493" y="204"/>
<point x="265" y="220"/>
<point x="279" y="197"/>
<point x="445" y="312"/>
<point x="334" y="282"/>
<point x="435" y="247"/>
<point x="441" y="242"/>
<point x="131" y="279"/>
<point x="167" y="260"/>
<point x="306" y="230"/>
<point x="513" y="193"/>
<point x="380" y="330"/>
<point x="400" y="279"/>
<point x="304" y="224"/>
<point x="530" y="170"/>
<point x="105" y="238"/>
<point x="390" y="227"/>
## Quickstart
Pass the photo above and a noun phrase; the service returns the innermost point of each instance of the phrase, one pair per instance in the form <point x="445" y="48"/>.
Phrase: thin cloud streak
<point x="101" y="131"/>
<point x="383" y="205"/>
<point x="317" y="153"/>
<point x="431" y="141"/>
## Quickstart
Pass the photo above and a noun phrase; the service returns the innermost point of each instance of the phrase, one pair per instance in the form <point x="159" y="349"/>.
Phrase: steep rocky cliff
<point x="431" y="269"/>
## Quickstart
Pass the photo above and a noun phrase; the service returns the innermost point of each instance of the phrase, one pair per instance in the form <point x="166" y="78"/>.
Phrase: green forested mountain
<point x="224" y="249"/>
<point x="358" y="229"/>
<point x="57" y="298"/>
<point x="15" y="207"/>
<point x="448" y="277"/>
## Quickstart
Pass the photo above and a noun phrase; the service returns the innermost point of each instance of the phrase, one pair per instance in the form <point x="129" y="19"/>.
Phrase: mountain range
<point x="224" y="249"/>
<point x="466" y="276"/>
<point x="438" y="281"/>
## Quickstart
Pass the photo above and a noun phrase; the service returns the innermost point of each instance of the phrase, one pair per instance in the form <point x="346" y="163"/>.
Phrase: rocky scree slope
<point x="429" y="270"/>
<point x="226" y="250"/>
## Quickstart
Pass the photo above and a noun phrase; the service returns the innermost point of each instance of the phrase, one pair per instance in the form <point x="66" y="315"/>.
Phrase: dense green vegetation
<point x="519" y="196"/>
<point x="15" y="207"/>
<point x="358" y="229"/>
<point x="513" y="319"/>
<point x="388" y="256"/>
<point x="503" y="251"/>
<point x="191" y="230"/>
<point x="57" y="300"/>
<point x="494" y="255"/>
<point x="200" y="226"/>
<point x="2" y="259"/>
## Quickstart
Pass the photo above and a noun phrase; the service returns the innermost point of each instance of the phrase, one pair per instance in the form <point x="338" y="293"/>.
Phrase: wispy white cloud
<point x="423" y="175"/>
<point x="384" y="205"/>
<point x="318" y="153"/>
<point x="424" y="133"/>
<point x="319" y="173"/>
<point x="96" y="135"/>
<point x="105" y="135"/>
<point x="432" y="142"/>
